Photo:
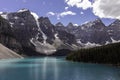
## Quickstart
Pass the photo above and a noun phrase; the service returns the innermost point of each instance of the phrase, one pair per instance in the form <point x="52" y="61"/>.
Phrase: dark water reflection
<point x="51" y="68"/>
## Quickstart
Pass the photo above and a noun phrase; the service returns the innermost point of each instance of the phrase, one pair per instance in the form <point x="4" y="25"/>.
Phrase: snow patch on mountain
<point x="1" y="13"/>
<point x="44" y="48"/>
<point x="37" y="22"/>
<point x="32" y="41"/>
<point x="79" y="42"/>
<point x="56" y="36"/>
<point x="4" y="16"/>
<point x="11" y="24"/>
<point x="75" y="25"/>
<point x="16" y="17"/>
<point x="114" y="41"/>
<point x="22" y="10"/>
<point x="57" y="41"/>
<point x="107" y="42"/>
<point x="89" y="44"/>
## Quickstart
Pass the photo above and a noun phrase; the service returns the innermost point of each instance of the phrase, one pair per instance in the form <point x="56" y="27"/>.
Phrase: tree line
<point x="108" y="54"/>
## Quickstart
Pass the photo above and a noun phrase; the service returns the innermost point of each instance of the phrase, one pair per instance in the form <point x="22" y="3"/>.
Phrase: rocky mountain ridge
<point x="95" y="32"/>
<point x="39" y="35"/>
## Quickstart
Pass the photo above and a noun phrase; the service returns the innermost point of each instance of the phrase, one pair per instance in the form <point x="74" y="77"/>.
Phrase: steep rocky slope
<point x="37" y="33"/>
<point x="6" y="53"/>
<point x="34" y="35"/>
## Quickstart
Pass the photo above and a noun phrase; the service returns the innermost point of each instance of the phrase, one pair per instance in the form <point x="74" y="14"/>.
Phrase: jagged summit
<point x="70" y="25"/>
<point x="97" y="20"/>
<point x="45" y="20"/>
<point x="115" y="23"/>
<point x="23" y="10"/>
<point x="3" y="13"/>
<point x="97" y="23"/>
<point x="40" y="35"/>
<point x="59" y="24"/>
<point x="76" y="25"/>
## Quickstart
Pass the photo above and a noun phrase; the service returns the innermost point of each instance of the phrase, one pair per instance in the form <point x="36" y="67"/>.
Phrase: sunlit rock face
<point x="48" y="29"/>
<point x="6" y="53"/>
<point x="93" y="32"/>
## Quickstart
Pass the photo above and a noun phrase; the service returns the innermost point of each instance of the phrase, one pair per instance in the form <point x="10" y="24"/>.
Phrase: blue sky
<point x="78" y="15"/>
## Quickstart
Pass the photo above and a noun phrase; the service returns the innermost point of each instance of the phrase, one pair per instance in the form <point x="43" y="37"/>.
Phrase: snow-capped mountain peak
<point x="59" y="24"/>
<point x="4" y="15"/>
<point x="36" y="17"/>
<point x="40" y="35"/>
<point x="23" y="10"/>
<point x="70" y="25"/>
<point x="75" y="25"/>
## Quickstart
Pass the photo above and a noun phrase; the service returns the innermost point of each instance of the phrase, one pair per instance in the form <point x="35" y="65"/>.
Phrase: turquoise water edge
<point x="55" y="68"/>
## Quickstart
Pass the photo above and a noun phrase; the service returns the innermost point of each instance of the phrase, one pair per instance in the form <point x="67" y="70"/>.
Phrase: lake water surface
<point x="52" y="68"/>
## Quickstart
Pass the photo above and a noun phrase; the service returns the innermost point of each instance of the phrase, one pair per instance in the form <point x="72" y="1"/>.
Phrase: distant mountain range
<point x="26" y="33"/>
<point x="94" y="32"/>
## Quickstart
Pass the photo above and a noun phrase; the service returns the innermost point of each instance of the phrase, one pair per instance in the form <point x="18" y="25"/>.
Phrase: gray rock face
<point x="93" y="32"/>
<point x="53" y="34"/>
<point x="37" y="33"/>
<point x="70" y="26"/>
<point x="114" y="30"/>
<point x="60" y="26"/>
<point x="47" y="28"/>
<point x="7" y="37"/>
<point x="11" y="43"/>
<point x="23" y="25"/>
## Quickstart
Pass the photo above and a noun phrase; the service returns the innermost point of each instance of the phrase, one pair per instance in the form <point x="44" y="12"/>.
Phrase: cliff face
<point x="38" y="35"/>
<point x="24" y="31"/>
<point x="7" y="38"/>
<point x="11" y="43"/>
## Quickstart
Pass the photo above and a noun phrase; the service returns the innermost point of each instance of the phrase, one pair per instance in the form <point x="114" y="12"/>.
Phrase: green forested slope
<point x="109" y="54"/>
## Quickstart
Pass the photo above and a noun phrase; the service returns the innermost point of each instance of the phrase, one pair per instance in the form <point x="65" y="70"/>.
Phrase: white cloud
<point x="72" y="2"/>
<point x="65" y="13"/>
<point x="58" y="17"/>
<point x="100" y="8"/>
<point x="81" y="12"/>
<point x="1" y="13"/>
<point x="107" y="8"/>
<point x="62" y="14"/>
<point x="66" y="8"/>
<point x="50" y="14"/>
<point x="84" y="4"/>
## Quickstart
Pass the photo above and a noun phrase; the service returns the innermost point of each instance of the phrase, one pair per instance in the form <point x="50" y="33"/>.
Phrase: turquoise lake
<point x="55" y="68"/>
